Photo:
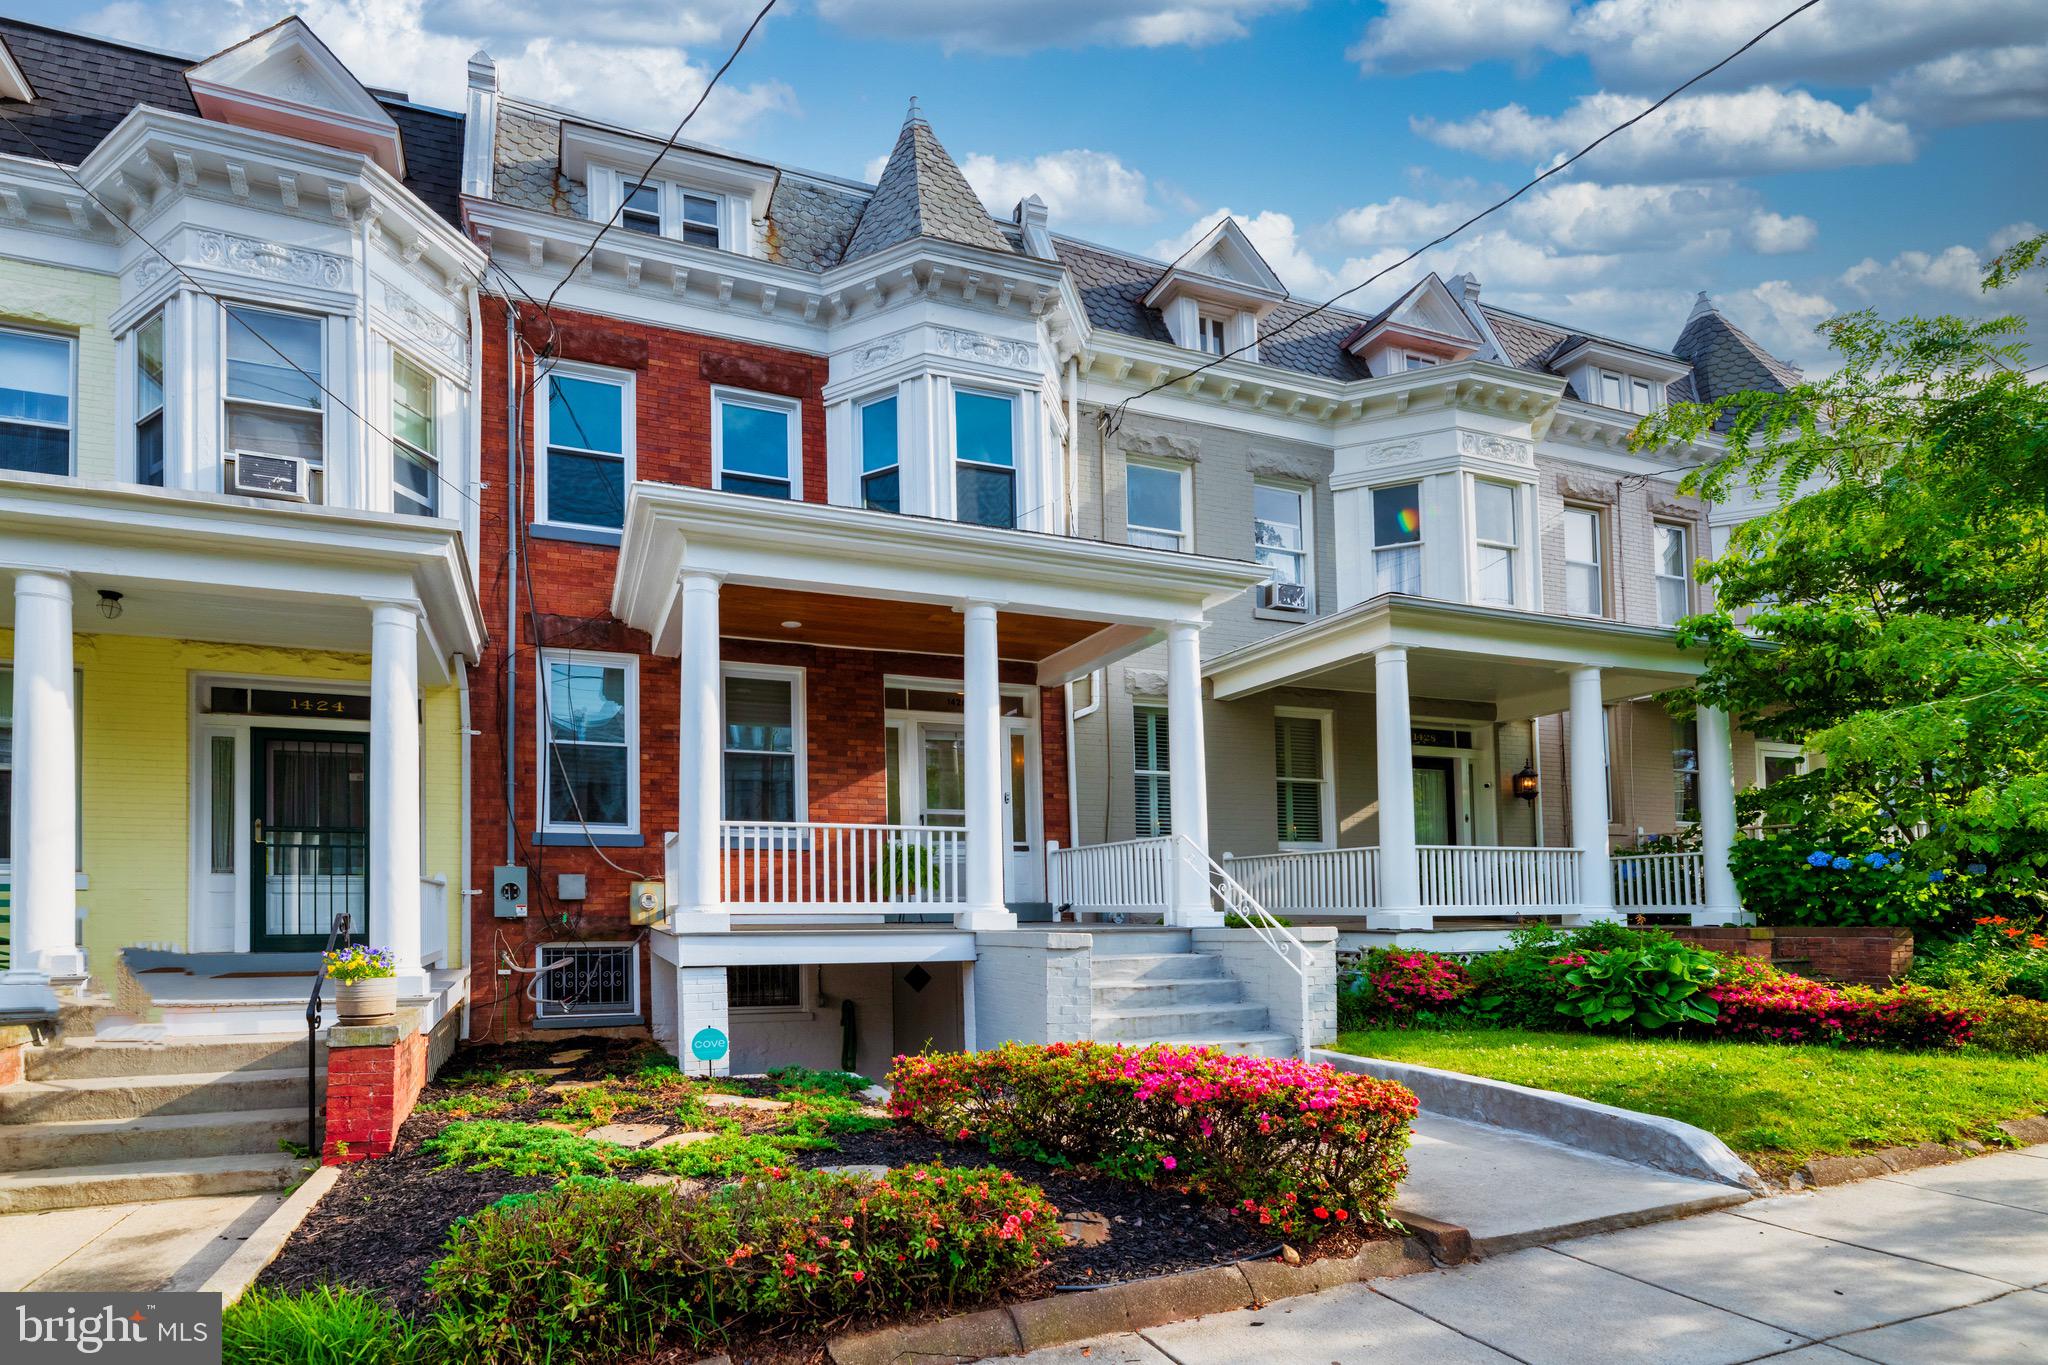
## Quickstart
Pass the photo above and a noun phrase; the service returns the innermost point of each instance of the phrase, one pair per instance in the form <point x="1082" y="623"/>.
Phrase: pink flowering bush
<point x="1758" y="1001"/>
<point x="1295" y="1146"/>
<point x="1406" y="982"/>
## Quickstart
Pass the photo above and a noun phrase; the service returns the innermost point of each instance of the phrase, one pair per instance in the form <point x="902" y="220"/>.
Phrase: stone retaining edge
<point x="1065" y="1318"/>
<point x="240" y="1270"/>
<point x="1644" y="1139"/>
<point x="1840" y="1170"/>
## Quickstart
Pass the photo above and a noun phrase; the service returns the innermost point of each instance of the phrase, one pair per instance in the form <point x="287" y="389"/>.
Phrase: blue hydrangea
<point x="1819" y="858"/>
<point x="1976" y="869"/>
<point x="1937" y="876"/>
<point x="1841" y="864"/>
<point x="1896" y="858"/>
<point x="1875" y="860"/>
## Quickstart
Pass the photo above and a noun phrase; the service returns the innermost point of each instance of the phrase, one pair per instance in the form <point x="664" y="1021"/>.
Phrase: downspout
<point x="464" y="894"/>
<point x="513" y="495"/>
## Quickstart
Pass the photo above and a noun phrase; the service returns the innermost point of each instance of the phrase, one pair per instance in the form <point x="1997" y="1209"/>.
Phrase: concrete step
<point x="78" y="1020"/>
<point x="134" y="1097"/>
<point x="137" y="1181"/>
<point x="100" y="1142"/>
<point x="1215" y="1021"/>
<point x="1121" y="941"/>
<point x="1114" y="997"/>
<point x="93" y="1058"/>
<point x="1259" y="1044"/>
<point x="1111" y="971"/>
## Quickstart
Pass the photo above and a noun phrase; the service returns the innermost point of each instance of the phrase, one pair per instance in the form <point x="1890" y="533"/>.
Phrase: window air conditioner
<point x="1284" y="596"/>
<point x="260" y="475"/>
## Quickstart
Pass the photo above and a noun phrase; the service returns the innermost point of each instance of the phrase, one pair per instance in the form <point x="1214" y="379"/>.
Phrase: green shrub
<point x="2001" y="955"/>
<point x="594" y="1270"/>
<point x="845" y="1085"/>
<point x="531" y="1150"/>
<point x="1794" y="878"/>
<point x="1649" y="984"/>
<point x="2013" y="1025"/>
<point x="323" y="1326"/>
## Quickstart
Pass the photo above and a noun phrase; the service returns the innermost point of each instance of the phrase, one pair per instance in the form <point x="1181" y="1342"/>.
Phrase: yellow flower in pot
<point x="365" y="984"/>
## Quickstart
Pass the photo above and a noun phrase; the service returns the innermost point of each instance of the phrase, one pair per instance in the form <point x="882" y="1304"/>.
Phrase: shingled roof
<point x="922" y="194"/>
<point x="85" y="86"/>
<point x="1725" y="359"/>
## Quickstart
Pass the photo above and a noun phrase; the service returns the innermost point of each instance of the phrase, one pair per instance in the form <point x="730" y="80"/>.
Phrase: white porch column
<point x="1717" y="819"/>
<point x="45" y="819"/>
<point x="1587" y="764"/>
<point x="1187" y="778"/>
<point x="696" y="900"/>
<point x="395" y="789"/>
<point x="987" y="830"/>
<point x="1400" y="896"/>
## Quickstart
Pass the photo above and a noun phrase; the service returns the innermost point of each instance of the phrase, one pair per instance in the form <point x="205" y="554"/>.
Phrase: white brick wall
<point x="701" y="1003"/>
<point x="1268" y="980"/>
<point x="1033" y="987"/>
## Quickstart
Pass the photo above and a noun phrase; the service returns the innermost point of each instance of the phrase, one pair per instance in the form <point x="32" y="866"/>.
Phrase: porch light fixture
<point x="792" y="625"/>
<point x="110" y="603"/>
<point x="1523" y="783"/>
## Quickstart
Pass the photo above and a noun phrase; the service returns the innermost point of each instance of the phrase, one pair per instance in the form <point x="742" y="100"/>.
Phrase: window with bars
<point x="1299" y="778"/>
<point x="1153" y="763"/>
<point x="774" y="986"/>
<point x="587" y="983"/>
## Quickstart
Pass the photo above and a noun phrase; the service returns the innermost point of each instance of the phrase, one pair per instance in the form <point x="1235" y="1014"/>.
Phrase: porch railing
<point x="1466" y="876"/>
<point x="814" y="866"/>
<point x="434" y="921"/>
<point x="1326" y="881"/>
<point x="1660" y="881"/>
<point x="1130" y="875"/>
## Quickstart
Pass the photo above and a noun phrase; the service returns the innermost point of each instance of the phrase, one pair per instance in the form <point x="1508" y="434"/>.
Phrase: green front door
<point x="310" y="791"/>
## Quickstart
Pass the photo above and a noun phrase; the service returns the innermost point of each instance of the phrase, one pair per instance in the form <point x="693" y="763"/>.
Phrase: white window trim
<point x="1684" y="576"/>
<point x="1305" y="499"/>
<point x="793" y="407"/>
<point x="228" y="400"/>
<point x="1184" y="535"/>
<point x="433" y="457"/>
<point x="799" y="725"/>
<point x="134" y="416"/>
<point x="1416" y="360"/>
<point x="806" y="1006"/>
<point x="861" y="472"/>
<point x="608" y="190"/>
<point x="1220" y="323"/>
<point x="71" y="399"/>
<point x="1326" y="721"/>
<point x="1599" y="560"/>
<point x="1137" y="773"/>
<point x="1773" y="748"/>
<point x="542" y="741"/>
<point x="1517" y="595"/>
<point x="1015" y="469"/>
<point x="1418" y="544"/>
<point x="624" y="380"/>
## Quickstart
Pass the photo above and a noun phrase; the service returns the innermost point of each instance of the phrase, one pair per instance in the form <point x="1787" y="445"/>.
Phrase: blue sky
<point x="1872" y="153"/>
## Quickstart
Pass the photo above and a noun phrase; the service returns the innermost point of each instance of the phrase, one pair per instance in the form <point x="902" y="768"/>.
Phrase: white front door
<point x="931" y="779"/>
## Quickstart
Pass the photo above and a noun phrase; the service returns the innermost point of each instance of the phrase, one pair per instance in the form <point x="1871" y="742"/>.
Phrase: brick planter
<point x="1856" y="955"/>
<point x="374" y="1077"/>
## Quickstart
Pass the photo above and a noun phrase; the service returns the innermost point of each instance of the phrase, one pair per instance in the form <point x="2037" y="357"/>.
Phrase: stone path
<point x="172" y="1244"/>
<point x="1947" y="1264"/>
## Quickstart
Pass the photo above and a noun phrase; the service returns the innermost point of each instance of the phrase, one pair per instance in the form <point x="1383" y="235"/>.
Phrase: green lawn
<point x="1772" y="1103"/>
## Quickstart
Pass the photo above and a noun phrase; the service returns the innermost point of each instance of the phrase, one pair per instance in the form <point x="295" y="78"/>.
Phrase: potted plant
<point x="365" y="986"/>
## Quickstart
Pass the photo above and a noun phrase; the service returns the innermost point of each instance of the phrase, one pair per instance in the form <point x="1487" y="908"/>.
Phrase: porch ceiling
<point x="834" y="619"/>
<point x="1517" y="662"/>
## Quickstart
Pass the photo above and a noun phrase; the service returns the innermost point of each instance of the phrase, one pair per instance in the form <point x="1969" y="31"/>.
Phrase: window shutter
<point x="1298" y="772"/>
<point x="1152" y="761"/>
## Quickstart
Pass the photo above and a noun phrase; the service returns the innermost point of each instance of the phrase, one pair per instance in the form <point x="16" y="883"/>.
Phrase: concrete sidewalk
<point x="1946" y="1264"/>
<point x="172" y="1244"/>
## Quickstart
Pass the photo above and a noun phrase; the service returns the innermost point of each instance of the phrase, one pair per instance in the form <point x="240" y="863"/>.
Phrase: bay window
<point x="35" y="402"/>
<point x="1155" y="506"/>
<point x="149" y="402"/>
<point x="985" y="458"/>
<point x="415" y="461"/>
<point x="1397" y="538"/>
<point x="881" y="473"/>
<point x="754" y="445"/>
<point x="763" y="741"/>
<point x="274" y="401"/>
<point x="1583" y="585"/>
<point x="1674" y="574"/>
<point x="590" y="741"/>
<point x="585" y="438"/>
<point x="1496" y="543"/>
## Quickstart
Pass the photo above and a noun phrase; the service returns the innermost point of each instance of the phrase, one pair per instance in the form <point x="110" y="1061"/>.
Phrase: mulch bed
<point x="386" y="1221"/>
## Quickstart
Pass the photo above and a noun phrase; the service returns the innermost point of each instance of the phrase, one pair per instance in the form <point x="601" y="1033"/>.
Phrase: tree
<point x="1892" y="611"/>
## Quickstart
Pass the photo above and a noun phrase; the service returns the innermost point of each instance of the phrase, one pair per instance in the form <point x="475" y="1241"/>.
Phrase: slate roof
<point x="1533" y="344"/>
<point x="1725" y="359"/>
<point x="922" y="194"/>
<point x="85" y="86"/>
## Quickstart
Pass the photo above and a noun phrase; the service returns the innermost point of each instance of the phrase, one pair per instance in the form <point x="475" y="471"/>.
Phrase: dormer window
<point x="1213" y="297"/>
<point x="1211" y="334"/>
<point x="1412" y="361"/>
<point x="700" y="219"/>
<point x="1627" y="393"/>
<point x="1424" y="328"/>
<point x="642" y="211"/>
<point x="702" y="199"/>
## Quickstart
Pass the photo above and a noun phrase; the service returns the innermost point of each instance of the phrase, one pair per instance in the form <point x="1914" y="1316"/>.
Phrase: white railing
<point x="1334" y="881"/>
<point x="1465" y="876"/>
<point x="1129" y="875"/>
<point x="1231" y="897"/>
<point x="434" y="921"/>
<point x="1660" y="881"/>
<point x="815" y="866"/>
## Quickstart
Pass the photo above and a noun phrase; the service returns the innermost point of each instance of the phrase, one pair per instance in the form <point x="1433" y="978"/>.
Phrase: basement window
<point x="774" y="986"/>
<point x="587" y="983"/>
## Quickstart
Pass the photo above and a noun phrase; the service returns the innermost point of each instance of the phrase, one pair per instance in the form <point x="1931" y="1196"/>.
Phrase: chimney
<point x="1030" y="214"/>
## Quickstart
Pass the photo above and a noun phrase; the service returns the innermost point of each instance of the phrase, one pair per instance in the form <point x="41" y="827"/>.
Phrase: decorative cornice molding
<point x="875" y="354"/>
<point x="436" y="332"/>
<point x="1021" y="355"/>
<point x="272" y="260"/>
<point x="1478" y="445"/>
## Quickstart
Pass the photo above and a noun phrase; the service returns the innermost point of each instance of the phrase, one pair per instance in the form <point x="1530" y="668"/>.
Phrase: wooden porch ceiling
<point x="840" y="621"/>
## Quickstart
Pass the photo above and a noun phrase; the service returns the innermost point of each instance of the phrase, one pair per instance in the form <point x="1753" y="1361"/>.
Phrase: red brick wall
<point x="1863" y="956"/>
<point x="370" y="1092"/>
<point x="13" y="1063"/>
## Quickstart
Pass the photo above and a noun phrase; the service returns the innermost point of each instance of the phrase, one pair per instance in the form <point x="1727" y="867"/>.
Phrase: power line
<point x="1114" y="418"/>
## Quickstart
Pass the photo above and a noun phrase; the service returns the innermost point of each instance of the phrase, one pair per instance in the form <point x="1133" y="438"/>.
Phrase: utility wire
<point x="1113" y="419"/>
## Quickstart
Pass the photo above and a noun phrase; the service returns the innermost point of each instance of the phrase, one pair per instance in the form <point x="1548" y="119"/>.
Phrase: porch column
<point x="1400" y="898"/>
<point x="987" y="831"/>
<point x="1187" y="779"/>
<point x="395" y="789"/>
<point x="45" y="818"/>
<point x="1723" y="904"/>
<point x="696" y="900"/>
<point x="1588" y="768"/>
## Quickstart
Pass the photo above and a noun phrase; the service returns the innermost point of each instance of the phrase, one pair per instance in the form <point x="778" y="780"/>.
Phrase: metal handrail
<point x="338" y="933"/>
<point x="1236" y="900"/>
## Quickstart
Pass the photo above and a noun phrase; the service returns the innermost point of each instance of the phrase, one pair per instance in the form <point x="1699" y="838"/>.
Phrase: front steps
<point x="1179" y="997"/>
<point x="114" y="1119"/>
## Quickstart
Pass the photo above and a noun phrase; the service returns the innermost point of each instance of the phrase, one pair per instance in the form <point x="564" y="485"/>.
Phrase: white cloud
<point x="1952" y="270"/>
<point x="1775" y="234"/>
<point x="1078" y="186"/>
<point x="1970" y="87"/>
<point x="1011" y="26"/>
<point x="1435" y="35"/>
<point x="392" y="44"/>
<point x="1273" y="233"/>
<point x="1740" y="133"/>
<point x="1781" y="317"/>
<point x="1400" y="221"/>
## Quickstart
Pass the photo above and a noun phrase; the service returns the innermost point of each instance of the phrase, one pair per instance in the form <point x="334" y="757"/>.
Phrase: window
<point x="1640" y="396"/>
<point x="772" y="986"/>
<point x="1626" y="392"/>
<point x="586" y="445"/>
<point x="755" y="445"/>
<point x="881" y="475"/>
<point x="763" y="732"/>
<point x="592" y="757"/>
<point x="1685" y="771"/>
<point x="700" y="220"/>
<point x="35" y="403"/>
<point x="587" y="983"/>
<point x="1583" y="587"/>
<point x="274" y="400"/>
<point x="1412" y="361"/>
<point x="1495" y="523"/>
<point x="149" y="402"/>
<point x="1209" y="333"/>
<point x="415" y="463"/>
<point x="985" y="450"/>
<point x="1299" y="776"/>
<point x="1674" y="574"/>
<point x="1397" y="538"/>
<point x="1777" y="761"/>
<point x="1155" y="506"/>
<point x="1152" y="766"/>
<point x="1280" y="531"/>
<point x="641" y="211"/>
